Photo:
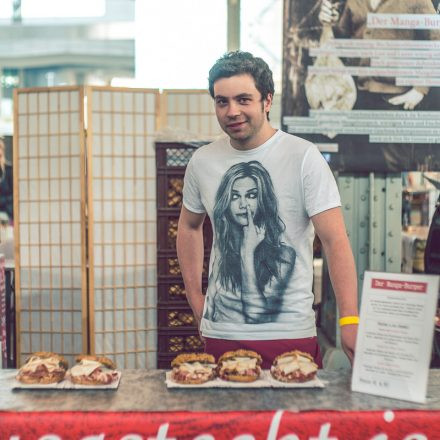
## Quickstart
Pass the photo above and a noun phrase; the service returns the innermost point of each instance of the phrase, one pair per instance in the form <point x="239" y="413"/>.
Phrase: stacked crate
<point x="177" y="331"/>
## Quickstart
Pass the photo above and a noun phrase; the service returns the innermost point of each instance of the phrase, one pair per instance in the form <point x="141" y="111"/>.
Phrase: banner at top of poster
<point x="403" y="21"/>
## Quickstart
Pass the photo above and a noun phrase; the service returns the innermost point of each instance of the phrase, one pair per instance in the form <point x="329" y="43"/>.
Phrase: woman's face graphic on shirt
<point x="244" y="193"/>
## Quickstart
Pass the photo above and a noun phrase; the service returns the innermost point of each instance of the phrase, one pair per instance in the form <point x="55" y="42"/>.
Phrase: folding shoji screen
<point x="49" y="194"/>
<point x="92" y="289"/>
<point x="122" y="224"/>
<point x="189" y="111"/>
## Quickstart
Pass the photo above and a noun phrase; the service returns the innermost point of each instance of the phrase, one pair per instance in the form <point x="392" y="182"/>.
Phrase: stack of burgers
<point x="45" y="367"/>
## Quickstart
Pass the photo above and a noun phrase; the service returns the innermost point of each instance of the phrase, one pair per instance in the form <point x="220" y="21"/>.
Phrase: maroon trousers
<point x="268" y="350"/>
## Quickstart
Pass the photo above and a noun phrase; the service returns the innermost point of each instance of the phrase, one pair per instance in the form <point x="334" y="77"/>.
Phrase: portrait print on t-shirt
<point x="251" y="265"/>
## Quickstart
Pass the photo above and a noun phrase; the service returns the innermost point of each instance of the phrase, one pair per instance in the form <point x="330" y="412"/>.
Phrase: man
<point x="265" y="191"/>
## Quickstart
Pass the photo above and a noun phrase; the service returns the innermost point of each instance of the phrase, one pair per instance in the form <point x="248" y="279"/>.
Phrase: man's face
<point x="241" y="112"/>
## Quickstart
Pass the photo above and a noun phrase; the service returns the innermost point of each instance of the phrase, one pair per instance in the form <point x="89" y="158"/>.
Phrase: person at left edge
<point x="6" y="184"/>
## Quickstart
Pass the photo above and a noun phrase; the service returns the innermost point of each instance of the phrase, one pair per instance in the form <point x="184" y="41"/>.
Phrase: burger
<point x="193" y="368"/>
<point x="294" y="366"/>
<point x="93" y="370"/>
<point x="239" y="366"/>
<point x="42" y="367"/>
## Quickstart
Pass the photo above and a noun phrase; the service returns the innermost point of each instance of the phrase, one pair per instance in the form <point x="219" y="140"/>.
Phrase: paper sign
<point x="394" y="342"/>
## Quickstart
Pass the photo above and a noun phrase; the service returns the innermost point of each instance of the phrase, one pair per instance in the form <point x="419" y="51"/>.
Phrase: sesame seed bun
<point x="240" y="378"/>
<point x="101" y="359"/>
<point x="48" y="354"/>
<point x="294" y="353"/>
<point x="240" y="353"/>
<point x="203" y="358"/>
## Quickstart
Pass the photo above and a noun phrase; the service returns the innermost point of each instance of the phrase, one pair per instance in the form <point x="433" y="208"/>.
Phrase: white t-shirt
<point x="261" y="266"/>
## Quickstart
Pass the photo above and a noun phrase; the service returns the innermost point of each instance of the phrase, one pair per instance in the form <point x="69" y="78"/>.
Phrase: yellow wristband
<point x="346" y="320"/>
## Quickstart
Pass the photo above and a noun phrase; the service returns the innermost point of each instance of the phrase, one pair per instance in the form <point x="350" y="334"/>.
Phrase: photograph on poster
<point x="363" y="78"/>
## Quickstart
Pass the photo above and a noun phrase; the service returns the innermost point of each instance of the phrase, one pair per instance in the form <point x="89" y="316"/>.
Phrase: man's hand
<point x="348" y="340"/>
<point x="197" y="302"/>
<point x="410" y="99"/>
<point x="329" y="13"/>
<point x="199" y="331"/>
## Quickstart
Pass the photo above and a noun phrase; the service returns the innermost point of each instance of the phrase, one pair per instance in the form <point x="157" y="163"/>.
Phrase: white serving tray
<point x="265" y="381"/>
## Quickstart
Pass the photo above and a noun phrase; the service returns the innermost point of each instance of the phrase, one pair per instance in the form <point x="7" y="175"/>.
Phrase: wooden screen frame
<point x="17" y="255"/>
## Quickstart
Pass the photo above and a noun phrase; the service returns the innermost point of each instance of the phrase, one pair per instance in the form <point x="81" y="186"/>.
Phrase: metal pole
<point x="16" y="11"/>
<point x="233" y="37"/>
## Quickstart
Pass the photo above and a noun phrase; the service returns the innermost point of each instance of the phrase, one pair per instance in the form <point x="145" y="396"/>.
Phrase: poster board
<point x="338" y="81"/>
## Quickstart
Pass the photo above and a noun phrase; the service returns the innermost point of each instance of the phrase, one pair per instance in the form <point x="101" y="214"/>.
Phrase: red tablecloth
<point x="243" y="425"/>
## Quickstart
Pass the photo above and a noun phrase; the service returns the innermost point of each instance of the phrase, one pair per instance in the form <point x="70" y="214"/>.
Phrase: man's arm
<point x="190" y="254"/>
<point x="330" y="227"/>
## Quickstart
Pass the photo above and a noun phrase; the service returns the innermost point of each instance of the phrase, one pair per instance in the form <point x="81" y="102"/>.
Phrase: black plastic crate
<point x="168" y="264"/>
<point x="169" y="189"/>
<point x="167" y="224"/>
<point x="175" y="316"/>
<point x="182" y="342"/>
<point x="167" y="231"/>
<point x="175" y="154"/>
<point x="177" y="327"/>
<point x="172" y="290"/>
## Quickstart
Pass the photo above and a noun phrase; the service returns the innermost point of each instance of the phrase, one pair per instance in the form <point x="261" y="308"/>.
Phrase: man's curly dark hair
<point x="238" y="63"/>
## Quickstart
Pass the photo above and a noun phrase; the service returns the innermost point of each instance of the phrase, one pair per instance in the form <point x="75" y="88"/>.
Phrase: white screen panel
<point x="190" y="111"/>
<point x="49" y="150"/>
<point x="123" y="122"/>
